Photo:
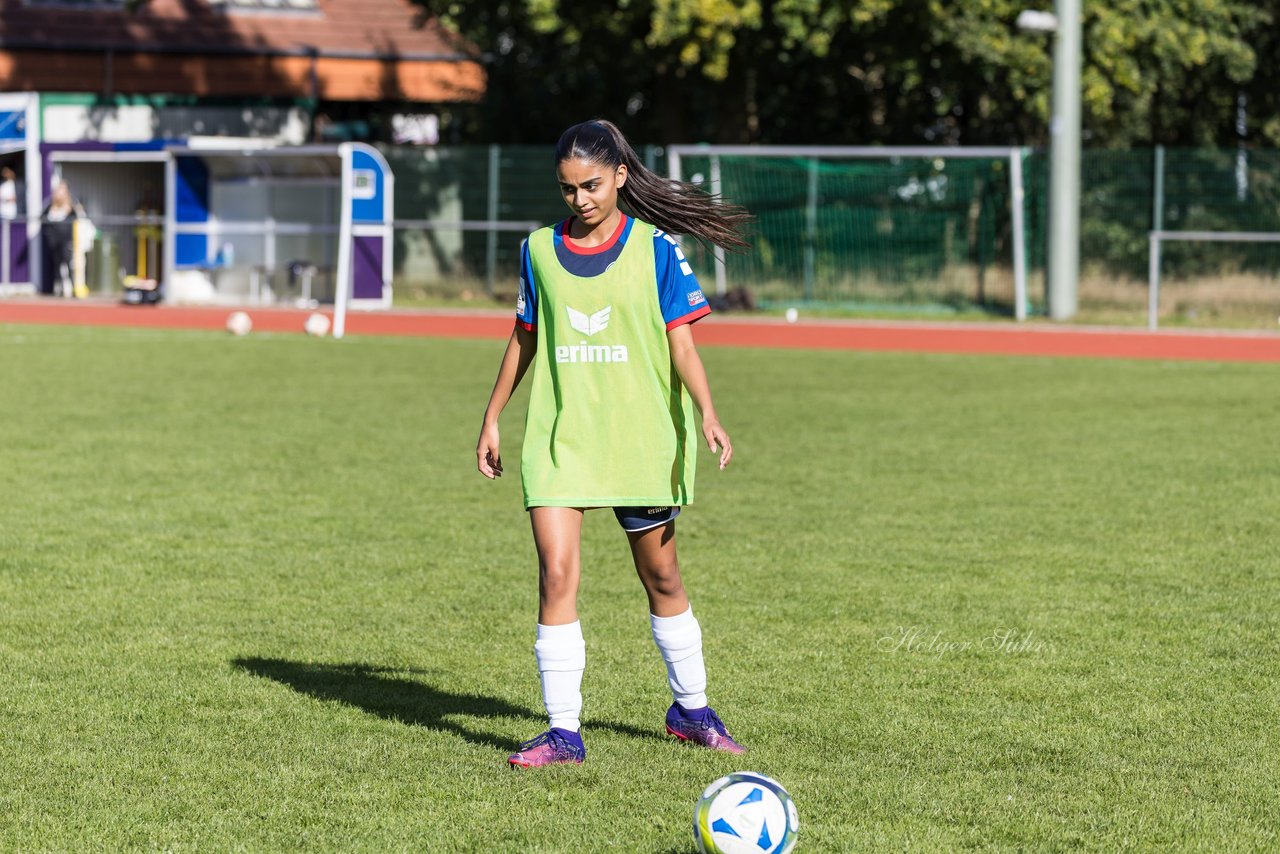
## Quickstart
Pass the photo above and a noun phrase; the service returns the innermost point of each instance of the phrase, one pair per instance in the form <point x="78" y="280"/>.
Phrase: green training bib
<point x="609" y="422"/>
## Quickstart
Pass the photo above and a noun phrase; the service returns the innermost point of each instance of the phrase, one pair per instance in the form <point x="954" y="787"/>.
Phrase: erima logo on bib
<point x="589" y="325"/>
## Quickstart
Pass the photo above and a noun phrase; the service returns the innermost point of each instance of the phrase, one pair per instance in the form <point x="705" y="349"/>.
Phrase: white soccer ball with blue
<point x="745" y="813"/>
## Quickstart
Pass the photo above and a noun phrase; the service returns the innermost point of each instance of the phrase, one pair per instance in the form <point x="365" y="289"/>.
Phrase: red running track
<point x="1033" y="340"/>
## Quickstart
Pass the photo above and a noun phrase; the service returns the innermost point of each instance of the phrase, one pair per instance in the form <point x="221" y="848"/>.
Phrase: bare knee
<point x="663" y="578"/>
<point x="558" y="580"/>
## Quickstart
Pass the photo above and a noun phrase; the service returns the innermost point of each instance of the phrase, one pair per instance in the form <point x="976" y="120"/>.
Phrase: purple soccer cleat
<point x="702" y="727"/>
<point x="556" y="746"/>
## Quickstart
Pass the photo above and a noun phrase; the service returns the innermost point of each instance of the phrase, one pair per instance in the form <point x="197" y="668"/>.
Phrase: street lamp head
<point x="1035" y="21"/>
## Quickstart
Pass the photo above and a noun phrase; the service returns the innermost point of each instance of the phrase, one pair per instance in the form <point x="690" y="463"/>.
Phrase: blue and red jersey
<point x="679" y="294"/>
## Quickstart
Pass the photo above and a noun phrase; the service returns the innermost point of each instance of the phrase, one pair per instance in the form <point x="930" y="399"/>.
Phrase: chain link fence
<point x="923" y="231"/>
<point x="933" y="231"/>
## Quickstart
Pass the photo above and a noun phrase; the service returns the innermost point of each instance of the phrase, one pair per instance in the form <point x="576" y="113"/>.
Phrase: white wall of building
<point x="142" y="123"/>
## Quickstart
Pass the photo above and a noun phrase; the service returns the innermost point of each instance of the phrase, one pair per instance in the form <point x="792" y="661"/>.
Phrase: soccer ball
<point x="745" y="812"/>
<point x="238" y="323"/>
<point x="317" y="324"/>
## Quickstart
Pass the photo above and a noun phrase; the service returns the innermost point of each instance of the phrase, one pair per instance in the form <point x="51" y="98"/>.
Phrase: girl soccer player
<point x="606" y="305"/>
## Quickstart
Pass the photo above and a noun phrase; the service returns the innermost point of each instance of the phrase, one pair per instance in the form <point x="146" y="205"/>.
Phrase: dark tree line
<point x="1174" y="72"/>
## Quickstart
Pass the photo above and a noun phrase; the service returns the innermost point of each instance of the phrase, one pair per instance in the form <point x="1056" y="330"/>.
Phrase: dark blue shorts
<point x="636" y="519"/>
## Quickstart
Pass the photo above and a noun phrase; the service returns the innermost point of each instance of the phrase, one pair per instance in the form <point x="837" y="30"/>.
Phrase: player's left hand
<point x="715" y="435"/>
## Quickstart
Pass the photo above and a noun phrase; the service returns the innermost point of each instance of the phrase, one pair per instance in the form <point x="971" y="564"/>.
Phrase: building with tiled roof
<point x="321" y="50"/>
<point x="130" y="107"/>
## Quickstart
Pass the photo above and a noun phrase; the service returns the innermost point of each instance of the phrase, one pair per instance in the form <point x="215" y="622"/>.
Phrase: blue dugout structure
<point x="195" y="226"/>
<point x="328" y="204"/>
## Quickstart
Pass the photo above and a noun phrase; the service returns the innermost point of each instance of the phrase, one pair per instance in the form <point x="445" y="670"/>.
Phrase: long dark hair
<point x="672" y="206"/>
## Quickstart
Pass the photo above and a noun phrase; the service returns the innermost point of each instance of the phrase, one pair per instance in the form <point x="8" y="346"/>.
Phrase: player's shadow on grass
<point x="385" y="692"/>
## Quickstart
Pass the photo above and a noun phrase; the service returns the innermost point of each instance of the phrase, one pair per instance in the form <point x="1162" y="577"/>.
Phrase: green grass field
<point x="253" y="596"/>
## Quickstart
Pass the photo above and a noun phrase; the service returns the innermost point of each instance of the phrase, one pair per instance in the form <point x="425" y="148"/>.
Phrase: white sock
<point x="562" y="656"/>
<point x="679" y="639"/>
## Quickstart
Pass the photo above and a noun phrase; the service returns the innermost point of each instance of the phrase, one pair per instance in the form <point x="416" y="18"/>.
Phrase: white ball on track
<point x="792" y="315"/>
<point x="239" y="323"/>
<point x="317" y="324"/>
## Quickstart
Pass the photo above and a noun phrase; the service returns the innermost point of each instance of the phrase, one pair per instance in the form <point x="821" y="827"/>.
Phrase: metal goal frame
<point x="1159" y="237"/>
<point x="814" y="153"/>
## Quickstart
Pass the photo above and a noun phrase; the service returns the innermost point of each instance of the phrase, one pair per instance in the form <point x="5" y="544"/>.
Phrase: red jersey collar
<point x="576" y="249"/>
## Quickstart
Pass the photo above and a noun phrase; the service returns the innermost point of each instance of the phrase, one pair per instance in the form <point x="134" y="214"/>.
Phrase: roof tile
<point x="341" y="27"/>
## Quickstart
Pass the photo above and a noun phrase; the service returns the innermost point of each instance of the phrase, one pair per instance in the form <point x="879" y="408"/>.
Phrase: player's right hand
<point x="488" y="460"/>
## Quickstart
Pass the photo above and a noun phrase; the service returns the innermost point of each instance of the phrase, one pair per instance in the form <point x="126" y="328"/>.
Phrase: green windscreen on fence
<point x="893" y="231"/>
<point x="1124" y="195"/>
<point x="457" y="189"/>
<point x="918" y="230"/>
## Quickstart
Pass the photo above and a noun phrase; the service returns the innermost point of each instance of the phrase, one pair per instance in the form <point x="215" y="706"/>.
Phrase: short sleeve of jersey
<point x="527" y="297"/>
<point x="679" y="293"/>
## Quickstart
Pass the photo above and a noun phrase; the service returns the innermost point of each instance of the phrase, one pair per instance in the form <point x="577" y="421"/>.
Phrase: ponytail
<point x="672" y="206"/>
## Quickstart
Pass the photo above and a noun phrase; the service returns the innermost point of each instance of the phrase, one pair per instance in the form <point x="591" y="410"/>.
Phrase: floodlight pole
<point x="1064" y="160"/>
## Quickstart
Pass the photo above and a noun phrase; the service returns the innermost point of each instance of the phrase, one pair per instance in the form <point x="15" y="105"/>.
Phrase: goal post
<point x="806" y="219"/>
<point x="1157" y="238"/>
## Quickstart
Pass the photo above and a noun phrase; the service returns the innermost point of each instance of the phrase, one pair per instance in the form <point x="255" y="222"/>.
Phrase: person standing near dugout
<point x="58" y="224"/>
<point x="604" y="323"/>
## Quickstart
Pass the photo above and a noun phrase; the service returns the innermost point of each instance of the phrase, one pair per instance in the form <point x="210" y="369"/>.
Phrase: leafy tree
<point x="1169" y="71"/>
<point x="865" y="71"/>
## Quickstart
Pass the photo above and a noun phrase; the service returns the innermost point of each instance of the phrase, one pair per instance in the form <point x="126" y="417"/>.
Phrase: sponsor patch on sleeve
<point x="520" y="299"/>
<point x="696" y="297"/>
